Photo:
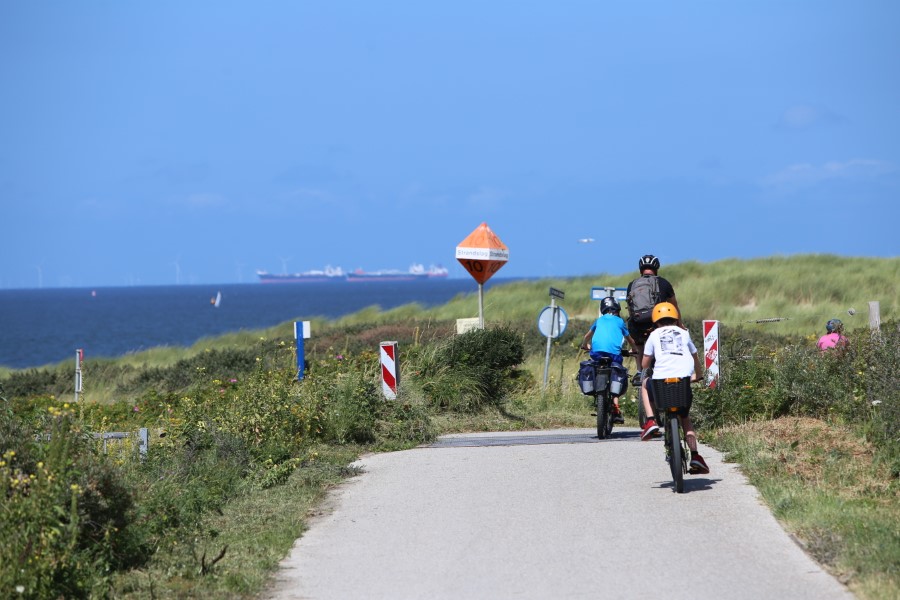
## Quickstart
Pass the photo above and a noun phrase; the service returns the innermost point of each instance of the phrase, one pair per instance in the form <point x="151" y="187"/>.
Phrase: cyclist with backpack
<point x="604" y="339"/>
<point x="642" y="295"/>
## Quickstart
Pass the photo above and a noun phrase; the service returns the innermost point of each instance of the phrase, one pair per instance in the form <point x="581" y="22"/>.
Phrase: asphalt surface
<point x="553" y="514"/>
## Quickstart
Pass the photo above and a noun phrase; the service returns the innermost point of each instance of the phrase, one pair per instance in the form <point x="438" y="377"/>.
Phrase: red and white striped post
<point x="711" y="350"/>
<point x="390" y="371"/>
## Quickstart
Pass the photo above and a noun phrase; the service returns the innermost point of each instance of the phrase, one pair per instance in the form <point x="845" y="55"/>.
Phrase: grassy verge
<point x="254" y="532"/>
<point x="827" y="488"/>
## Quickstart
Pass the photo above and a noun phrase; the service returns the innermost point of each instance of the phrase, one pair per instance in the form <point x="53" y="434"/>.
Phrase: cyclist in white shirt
<point x="671" y="353"/>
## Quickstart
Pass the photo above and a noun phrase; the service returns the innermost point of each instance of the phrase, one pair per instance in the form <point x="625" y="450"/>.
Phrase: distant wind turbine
<point x="284" y="265"/>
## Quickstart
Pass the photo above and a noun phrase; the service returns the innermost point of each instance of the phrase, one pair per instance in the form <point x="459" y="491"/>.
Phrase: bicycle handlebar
<point x="624" y="352"/>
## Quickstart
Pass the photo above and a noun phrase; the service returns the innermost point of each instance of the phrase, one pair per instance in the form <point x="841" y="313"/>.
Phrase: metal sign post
<point x="552" y="323"/>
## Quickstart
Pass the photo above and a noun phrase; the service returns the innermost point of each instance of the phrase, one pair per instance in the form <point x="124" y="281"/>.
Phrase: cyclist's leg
<point x="697" y="465"/>
<point x="645" y="398"/>
<point x="689" y="434"/>
<point x="651" y="428"/>
<point x="640" y="340"/>
<point x="639" y="357"/>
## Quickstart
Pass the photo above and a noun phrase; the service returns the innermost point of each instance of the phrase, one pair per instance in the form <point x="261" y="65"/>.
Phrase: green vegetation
<point x="806" y="290"/>
<point x="240" y="452"/>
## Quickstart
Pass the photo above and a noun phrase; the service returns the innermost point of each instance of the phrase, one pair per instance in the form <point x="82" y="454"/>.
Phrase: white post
<point x="711" y="349"/>
<point x="79" y="357"/>
<point x="142" y="444"/>
<point x="480" y="306"/>
<point x="875" y="316"/>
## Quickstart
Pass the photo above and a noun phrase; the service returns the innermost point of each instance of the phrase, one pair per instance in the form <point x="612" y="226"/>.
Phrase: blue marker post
<point x="301" y="332"/>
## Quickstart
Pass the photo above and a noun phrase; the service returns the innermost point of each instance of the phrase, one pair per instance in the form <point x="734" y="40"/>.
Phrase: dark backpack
<point x="642" y="298"/>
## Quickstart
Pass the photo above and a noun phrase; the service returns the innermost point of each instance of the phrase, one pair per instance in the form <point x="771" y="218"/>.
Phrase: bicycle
<point x="636" y="384"/>
<point x="669" y="395"/>
<point x="596" y="380"/>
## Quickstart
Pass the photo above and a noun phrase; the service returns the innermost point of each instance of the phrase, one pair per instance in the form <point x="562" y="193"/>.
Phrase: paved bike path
<point x="553" y="514"/>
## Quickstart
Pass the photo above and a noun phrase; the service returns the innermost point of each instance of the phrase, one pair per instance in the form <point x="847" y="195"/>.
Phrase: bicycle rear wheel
<point x="603" y="416"/>
<point x="676" y="453"/>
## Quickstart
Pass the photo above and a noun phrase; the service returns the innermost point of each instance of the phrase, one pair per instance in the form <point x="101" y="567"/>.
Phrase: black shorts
<point x="639" y="333"/>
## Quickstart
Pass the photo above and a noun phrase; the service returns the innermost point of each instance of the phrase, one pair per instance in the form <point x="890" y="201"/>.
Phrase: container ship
<point x="328" y="274"/>
<point x="416" y="272"/>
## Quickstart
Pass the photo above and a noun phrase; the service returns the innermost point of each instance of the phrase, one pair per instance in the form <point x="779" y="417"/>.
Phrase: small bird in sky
<point x="585" y="240"/>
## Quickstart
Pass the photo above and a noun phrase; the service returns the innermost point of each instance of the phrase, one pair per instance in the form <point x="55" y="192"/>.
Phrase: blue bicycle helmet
<point x="834" y="325"/>
<point x="609" y="305"/>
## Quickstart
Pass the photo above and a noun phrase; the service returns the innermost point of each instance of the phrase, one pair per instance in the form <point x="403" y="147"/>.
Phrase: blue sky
<point x="195" y="142"/>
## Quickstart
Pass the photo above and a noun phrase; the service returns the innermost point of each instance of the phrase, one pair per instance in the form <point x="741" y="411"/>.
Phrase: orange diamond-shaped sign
<point x="482" y="253"/>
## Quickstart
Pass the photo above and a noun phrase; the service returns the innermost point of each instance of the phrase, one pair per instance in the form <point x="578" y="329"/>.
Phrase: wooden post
<point x="875" y="316"/>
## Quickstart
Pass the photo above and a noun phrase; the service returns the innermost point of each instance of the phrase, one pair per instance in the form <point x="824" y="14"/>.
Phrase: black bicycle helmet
<point x="648" y="261"/>
<point x="609" y="305"/>
<point x="834" y="325"/>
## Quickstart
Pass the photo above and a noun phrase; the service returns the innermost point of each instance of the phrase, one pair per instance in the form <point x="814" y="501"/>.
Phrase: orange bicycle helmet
<point x="664" y="310"/>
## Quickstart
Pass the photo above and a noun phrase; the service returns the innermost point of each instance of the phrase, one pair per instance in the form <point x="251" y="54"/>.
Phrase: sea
<point x="44" y="326"/>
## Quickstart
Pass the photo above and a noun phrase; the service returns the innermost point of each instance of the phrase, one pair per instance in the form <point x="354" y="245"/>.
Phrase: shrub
<point x="265" y="412"/>
<point x="37" y="382"/>
<point x="472" y="370"/>
<point x="856" y="385"/>
<point x="342" y="391"/>
<point x="68" y="515"/>
<point x="210" y="364"/>
<point x="400" y="424"/>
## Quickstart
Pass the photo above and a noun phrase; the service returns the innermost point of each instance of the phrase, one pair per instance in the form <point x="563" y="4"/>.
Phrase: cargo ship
<point x="415" y="273"/>
<point x="328" y="274"/>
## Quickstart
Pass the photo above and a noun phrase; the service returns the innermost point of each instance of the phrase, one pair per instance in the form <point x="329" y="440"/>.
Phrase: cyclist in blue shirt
<point x="604" y="339"/>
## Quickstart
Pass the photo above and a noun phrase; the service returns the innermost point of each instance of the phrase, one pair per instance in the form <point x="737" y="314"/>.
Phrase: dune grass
<point x="805" y="290"/>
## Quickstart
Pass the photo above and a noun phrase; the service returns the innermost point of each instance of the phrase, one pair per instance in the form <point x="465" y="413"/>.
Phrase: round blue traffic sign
<point x="552" y="321"/>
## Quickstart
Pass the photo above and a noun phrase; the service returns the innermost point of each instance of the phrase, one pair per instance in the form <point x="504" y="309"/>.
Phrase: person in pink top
<point x="834" y="338"/>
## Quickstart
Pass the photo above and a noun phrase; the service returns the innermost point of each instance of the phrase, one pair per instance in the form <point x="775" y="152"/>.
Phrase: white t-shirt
<point x="673" y="350"/>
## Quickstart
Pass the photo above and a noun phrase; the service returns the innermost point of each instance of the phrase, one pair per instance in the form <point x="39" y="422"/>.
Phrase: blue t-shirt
<point x="609" y="333"/>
